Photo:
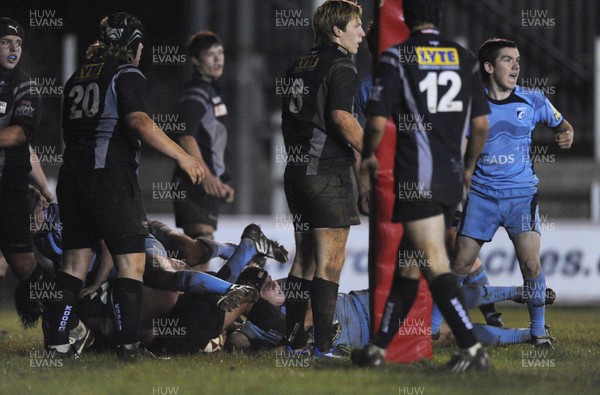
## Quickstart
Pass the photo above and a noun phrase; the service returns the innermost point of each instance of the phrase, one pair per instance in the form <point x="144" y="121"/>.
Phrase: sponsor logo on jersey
<point x="444" y="57"/>
<point x="3" y="105"/>
<point x="521" y="112"/>
<point x="220" y="110"/>
<point x="25" y="109"/>
<point x="307" y="62"/>
<point x="90" y="70"/>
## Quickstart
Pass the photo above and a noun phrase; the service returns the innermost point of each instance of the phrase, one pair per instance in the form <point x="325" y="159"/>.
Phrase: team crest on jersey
<point x="521" y="113"/>
<point x="437" y="57"/>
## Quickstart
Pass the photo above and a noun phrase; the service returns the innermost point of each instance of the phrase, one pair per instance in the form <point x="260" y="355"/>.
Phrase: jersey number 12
<point x="447" y="103"/>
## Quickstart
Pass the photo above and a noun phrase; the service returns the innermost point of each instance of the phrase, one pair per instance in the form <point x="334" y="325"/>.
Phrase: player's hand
<point x="367" y="173"/>
<point x="213" y="186"/>
<point x="229" y="193"/>
<point x="468" y="176"/>
<point x="564" y="139"/>
<point x="49" y="196"/>
<point x="192" y="167"/>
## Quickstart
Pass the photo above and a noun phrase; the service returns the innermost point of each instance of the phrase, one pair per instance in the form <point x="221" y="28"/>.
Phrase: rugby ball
<point x="215" y="344"/>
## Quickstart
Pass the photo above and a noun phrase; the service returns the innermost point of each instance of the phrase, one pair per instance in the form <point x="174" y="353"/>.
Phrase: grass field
<point x="572" y="368"/>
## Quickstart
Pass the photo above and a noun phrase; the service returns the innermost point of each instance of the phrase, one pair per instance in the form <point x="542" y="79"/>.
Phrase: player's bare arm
<point x="39" y="178"/>
<point x="12" y="136"/>
<point x="211" y="184"/>
<point x="564" y="134"/>
<point x="349" y="128"/>
<point x="477" y="139"/>
<point x="369" y="164"/>
<point x="151" y="134"/>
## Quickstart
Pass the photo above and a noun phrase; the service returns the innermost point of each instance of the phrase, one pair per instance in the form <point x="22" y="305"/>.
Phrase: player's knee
<point x="531" y="268"/>
<point x="460" y="266"/>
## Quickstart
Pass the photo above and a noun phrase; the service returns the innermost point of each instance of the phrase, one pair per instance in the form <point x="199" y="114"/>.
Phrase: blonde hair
<point x="333" y="13"/>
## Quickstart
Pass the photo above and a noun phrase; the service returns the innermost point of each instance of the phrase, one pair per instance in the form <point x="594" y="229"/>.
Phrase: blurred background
<point x="263" y="37"/>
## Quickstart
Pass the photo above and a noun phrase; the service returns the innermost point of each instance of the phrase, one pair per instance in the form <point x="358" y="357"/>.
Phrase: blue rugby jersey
<point x="505" y="162"/>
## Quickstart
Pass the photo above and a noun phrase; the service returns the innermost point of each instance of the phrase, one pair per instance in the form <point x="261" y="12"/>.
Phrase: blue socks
<point x="536" y="303"/>
<point x="492" y="335"/>
<point x="477" y="295"/>
<point x="200" y="283"/>
<point x="244" y="252"/>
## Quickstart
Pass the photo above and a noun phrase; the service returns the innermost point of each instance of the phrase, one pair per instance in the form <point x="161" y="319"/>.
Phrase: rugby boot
<point x="264" y="246"/>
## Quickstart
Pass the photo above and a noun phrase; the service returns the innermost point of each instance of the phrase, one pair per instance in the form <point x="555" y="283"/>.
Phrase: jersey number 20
<point x="447" y="103"/>
<point x="87" y="101"/>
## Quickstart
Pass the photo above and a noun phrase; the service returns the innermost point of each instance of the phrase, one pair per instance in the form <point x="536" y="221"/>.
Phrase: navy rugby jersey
<point x="432" y="89"/>
<point x="96" y="100"/>
<point x="325" y="79"/>
<point x="20" y="107"/>
<point x="204" y="114"/>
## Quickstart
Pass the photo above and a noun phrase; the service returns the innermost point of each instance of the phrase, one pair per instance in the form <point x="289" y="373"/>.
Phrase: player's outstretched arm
<point x="477" y="139"/>
<point x="564" y="134"/>
<point x="349" y="128"/>
<point x="152" y="135"/>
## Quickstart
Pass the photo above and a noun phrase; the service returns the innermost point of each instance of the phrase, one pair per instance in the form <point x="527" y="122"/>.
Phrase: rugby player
<point x="504" y="185"/>
<point x="19" y="110"/>
<point x="104" y="119"/>
<point x="318" y="124"/>
<point x="432" y="99"/>
<point x="204" y="113"/>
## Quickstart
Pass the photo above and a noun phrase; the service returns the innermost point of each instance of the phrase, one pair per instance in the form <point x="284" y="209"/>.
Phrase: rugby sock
<point x="221" y="250"/>
<point x="161" y="232"/>
<point x="297" y="292"/>
<point x="436" y="319"/>
<point x="448" y="296"/>
<point x="536" y="303"/>
<point x="401" y="299"/>
<point x="61" y="313"/>
<point x="479" y="277"/>
<point x="323" y="300"/>
<point x="126" y="298"/>
<point x="436" y="314"/>
<point x="244" y="252"/>
<point x="492" y="335"/>
<point x="478" y="295"/>
<point x="200" y="283"/>
<point x="460" y="278"/>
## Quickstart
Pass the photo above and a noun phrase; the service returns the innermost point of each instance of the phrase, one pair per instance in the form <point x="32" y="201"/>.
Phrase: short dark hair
<point x="488" y="52"/>
<point x="201" y="42"/>
<point x="418" y="12"/>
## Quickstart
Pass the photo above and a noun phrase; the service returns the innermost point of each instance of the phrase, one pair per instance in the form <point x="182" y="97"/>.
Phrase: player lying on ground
<point x="161" y="271"/>
<point x="180" y="322"/>
<point x="353" y="318"/>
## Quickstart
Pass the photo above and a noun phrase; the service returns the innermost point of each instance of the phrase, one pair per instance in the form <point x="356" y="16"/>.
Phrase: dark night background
<point x="258" y="51"/>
